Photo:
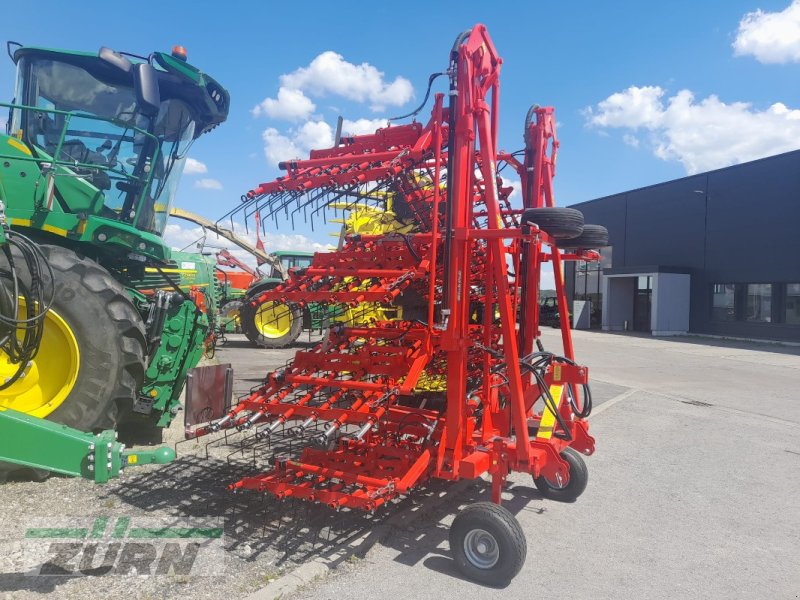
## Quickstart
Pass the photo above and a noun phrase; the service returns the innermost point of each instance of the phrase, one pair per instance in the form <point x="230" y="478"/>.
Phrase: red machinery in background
<point x="242" y="275"/>
<point x="460" y="386"/>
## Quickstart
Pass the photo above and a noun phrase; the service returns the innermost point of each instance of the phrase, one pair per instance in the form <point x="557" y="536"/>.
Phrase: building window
<point x="723" y="306"/>
<point x="759" y="302"/>
<point x="792" y="304"/>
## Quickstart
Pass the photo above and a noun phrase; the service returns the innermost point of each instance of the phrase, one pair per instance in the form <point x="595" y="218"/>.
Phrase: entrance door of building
<point x="642" y="302"/>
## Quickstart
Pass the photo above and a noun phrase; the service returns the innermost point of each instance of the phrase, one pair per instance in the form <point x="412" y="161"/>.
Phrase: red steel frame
<point x="363" y="391"/>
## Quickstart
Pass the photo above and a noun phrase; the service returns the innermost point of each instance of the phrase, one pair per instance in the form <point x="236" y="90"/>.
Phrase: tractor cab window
<point x="296" y="262"/>
<point x="174" y="127"/>
<point x="86" y="122"/>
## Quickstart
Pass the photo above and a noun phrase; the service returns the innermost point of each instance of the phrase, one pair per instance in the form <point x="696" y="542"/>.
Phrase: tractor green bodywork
<point x="187" y="329"/>
<point x="93" y="150"/>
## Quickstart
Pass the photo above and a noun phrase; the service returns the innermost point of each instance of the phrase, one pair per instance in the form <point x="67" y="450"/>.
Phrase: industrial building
<point x="715" y="253"/>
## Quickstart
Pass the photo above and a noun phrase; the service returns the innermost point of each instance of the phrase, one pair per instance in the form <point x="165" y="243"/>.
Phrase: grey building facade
<point x="715" y="253"/>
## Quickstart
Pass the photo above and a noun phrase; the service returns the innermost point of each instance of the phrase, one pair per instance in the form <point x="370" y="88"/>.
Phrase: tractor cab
<point x="292" y="260"/>
<point x="108" y="134"/>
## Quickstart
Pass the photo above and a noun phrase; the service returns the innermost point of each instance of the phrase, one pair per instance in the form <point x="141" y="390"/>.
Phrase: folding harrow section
<point x="433" y="364"/>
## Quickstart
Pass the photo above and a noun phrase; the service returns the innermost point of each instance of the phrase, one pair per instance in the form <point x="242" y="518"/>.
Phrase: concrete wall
<point x="670" y="304"/>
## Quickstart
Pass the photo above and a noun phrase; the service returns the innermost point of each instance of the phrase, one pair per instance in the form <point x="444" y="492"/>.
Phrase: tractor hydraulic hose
<point x="21" y="336"/>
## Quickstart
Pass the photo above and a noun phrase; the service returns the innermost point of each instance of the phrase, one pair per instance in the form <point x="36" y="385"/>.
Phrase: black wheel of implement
<point x="593" y="236"/>
<point x="230" y="316"/>
<point x="90" y="363"/>
<point x="560" y="223"/>
<point x="578" y="478"/>
<point x="488" y="544"/>
<point x="271" y="324"/>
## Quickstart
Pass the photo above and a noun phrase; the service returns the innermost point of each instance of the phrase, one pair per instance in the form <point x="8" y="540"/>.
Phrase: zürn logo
<point x="118" y="547"/>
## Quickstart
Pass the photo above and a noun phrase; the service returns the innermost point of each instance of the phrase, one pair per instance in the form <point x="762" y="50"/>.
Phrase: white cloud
<point x="630" y="140"/>
<point x="194" y="167"/>
<point x="770" y="37"/>
<point x="362" y="126"/>
<point x="208" y="184"/>
<point x="297" y="142"/>
<point x="278" y="147"/>
<point x="290" y="105"/>
<point x="330" y="73"/>
<point x="635" y="107"/>
<point x="179" y="236"/>
<point x="702" y="135"/>
<point x="314" y="134"/>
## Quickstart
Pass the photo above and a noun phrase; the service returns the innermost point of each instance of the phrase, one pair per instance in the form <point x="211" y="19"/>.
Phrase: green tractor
<point x="90" y="161"/>
<point x="275" y="324"/>
<point x="272" y="324"/>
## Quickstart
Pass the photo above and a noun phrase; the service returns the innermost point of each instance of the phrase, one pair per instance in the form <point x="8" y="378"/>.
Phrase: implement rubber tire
<point x="250" y="329"/>
<point x="578" y="478"/>
<point x="111" y="340"/>
<point x="505" y="539"/>
<point x="559" y="223"/>
<point x="593" y="236"/>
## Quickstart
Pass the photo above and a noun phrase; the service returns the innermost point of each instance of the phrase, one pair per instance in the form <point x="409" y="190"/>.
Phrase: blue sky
<point x="662" y="79"/>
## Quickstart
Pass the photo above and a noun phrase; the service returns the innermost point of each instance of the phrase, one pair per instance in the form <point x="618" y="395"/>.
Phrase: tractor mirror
<point x="115" y="59"/>
<point x="148" y="96"/>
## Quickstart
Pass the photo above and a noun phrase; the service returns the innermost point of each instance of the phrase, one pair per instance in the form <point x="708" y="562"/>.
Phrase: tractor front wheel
<point x="90" y="363"/>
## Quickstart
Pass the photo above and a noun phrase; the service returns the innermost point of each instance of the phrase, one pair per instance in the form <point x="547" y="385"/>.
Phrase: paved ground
<point x="693" y="493"/>
<point x="263" y="539"/>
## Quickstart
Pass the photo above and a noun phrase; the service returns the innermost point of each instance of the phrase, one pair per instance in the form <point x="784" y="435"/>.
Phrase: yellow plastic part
<point x="548" y="417"/>
<point x="273" y="320"/>
<point x="51" y="375"/>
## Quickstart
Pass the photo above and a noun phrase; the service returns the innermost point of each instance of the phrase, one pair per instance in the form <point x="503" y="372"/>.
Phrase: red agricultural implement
<point x="459" y="386"/>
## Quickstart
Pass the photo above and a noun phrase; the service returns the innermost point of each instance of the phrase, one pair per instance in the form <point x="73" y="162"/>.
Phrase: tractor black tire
<point x="578" y="478"/>
<point x="593" y="237"/>
<point x="109" y="333"/>
<point x="491" y="527"/>
<point x="248" y="315"/>
<point x="224" y="316"/>
<point x="111" y="340"/>
<point x="560" y="223"/>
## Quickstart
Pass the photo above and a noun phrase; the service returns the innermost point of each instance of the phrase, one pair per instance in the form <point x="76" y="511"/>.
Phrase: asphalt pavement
<point x="693" y="493"/>
<point x="694" y="490"/>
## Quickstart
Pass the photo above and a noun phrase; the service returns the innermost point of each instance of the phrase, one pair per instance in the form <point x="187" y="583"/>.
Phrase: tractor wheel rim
<point x="481" y="549"/>
<point x="50" y="376"/>
<point x="273" y="319"/>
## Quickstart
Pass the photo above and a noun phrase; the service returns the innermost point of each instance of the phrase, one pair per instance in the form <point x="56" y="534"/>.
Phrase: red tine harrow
<point x="459" y="385"/>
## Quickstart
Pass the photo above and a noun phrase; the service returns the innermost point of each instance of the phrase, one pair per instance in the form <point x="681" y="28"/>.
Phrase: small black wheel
<point x="488" y="544"/>
<point x="593" y="236"/>
<point x="230" y="319"/>
<point x="560" y="223"/>
<point x="574" y="487"/>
